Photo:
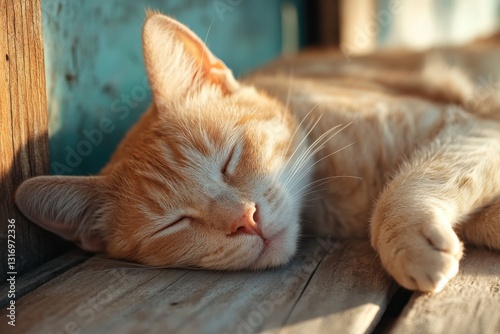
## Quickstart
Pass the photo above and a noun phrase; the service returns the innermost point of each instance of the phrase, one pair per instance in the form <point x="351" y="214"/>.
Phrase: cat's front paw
<point x="420" y="257"/>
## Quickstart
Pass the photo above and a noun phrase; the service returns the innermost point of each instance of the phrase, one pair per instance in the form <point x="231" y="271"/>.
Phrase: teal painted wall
<point x="96" y="83"/>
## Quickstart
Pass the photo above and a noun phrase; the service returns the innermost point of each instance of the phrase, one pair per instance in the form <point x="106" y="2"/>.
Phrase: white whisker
<point x="293" y="136"/>
<point x="321" y="182"/>
<point x="306" y="155"/>
<point x="297" y="148"/>
<point x="315" y="147"/>
<point x="201" y="74"/>
<point x="318" y="161"/>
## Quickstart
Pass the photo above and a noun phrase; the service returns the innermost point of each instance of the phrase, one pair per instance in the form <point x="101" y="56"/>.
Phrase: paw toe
<point x="442" y="238"/>
<point x="428" y="262"/>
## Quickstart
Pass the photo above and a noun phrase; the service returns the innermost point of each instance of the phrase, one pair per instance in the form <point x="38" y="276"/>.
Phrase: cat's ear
<point x="65" y="205"/>
<point x="178" y="62"/>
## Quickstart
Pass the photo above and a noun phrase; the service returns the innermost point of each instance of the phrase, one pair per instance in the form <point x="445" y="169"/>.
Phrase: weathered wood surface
<point x="320" y="291"/>
<point x="23" y="128"/>
<point x="328" y="288"/>
<point x="347" y="294"/>
<point x="42" y="274"/>
<point x="469" y="304"/>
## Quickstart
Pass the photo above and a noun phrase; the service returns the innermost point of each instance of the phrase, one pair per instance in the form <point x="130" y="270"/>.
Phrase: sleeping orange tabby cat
<point x="395" y="146"/>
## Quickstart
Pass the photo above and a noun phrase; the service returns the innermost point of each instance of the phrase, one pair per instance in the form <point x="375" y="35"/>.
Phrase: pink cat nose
<point x="248" y="223"/>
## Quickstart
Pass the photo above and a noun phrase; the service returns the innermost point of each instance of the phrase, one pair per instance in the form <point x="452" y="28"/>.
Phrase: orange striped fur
<point x="399" y="147"/>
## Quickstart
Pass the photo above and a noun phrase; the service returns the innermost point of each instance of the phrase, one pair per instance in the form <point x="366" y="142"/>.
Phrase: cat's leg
<point x="414" y="218"/>
<point x="483" y="227"/>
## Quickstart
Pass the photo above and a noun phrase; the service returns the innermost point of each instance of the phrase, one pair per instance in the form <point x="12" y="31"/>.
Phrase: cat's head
<point x="211" y="176"/>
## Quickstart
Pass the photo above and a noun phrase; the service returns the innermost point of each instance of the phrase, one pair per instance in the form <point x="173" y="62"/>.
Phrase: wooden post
<point x="23" y="129"/>
<point x="329" y="23"/>
<point x="359" y="26"/>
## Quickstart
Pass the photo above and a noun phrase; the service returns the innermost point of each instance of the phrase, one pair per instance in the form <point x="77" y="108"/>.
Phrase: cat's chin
<point x="279" y="249"/>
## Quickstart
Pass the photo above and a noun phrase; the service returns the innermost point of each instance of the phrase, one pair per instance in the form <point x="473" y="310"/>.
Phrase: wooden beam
<point x="23" y="129"/>
<point x="358" y="26"/>
<point x="329" y="22"/>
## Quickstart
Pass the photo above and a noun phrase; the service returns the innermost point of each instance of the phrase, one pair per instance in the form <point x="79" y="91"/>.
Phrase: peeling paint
<point x="93" y="59"/>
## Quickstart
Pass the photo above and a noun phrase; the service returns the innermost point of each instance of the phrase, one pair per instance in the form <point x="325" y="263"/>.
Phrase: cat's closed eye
<point x="225" y="170"/>
<point x="176" y="222"/>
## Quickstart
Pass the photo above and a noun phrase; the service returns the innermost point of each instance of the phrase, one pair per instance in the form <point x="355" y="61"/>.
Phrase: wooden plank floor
<point x="329" y="288"/>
